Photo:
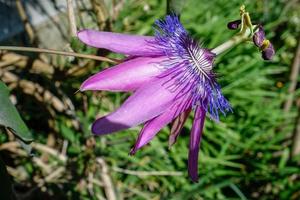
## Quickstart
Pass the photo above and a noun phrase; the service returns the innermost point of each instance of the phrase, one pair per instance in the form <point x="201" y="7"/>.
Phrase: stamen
<point x="188" y="69"/>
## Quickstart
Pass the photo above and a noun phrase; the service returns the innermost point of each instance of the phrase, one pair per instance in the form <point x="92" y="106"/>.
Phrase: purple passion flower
<point x="169" y="74"/>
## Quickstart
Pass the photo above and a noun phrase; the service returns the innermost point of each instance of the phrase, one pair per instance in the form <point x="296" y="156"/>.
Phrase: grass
<point x="245" y="156"/>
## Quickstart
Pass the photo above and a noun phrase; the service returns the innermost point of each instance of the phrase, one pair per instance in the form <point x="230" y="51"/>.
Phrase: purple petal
<point x="177" y="126"/>
<point x="147" y="102"/>
<point x="153" y="126"/>
<point x="127" y="76"/>
<point x="234" y="24"/>
<point x="268" y="53"/>
<point x="195" y="139"/>
<point x="259" y="36"/>
<point x="119" y="43"/>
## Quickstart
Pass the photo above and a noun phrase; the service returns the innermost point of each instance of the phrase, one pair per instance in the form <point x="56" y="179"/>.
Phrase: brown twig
<point x="11" y="146"/>
<point x="71" y="17"/>
<point x="107" y="182"/>
<point x="37" y="66"/>
<point x="50" y="151"/>
<point x="52" y="176"/>
<point x="28" y="28"/>
<point x="100" y="9"/>
<point x="296" y="134"/>
<point x="148" y="173"/>
<point x="295" y="69"/>
<point x="34" y="89"/>
<point x="293" y="79"/>
<point x="64" y="53"/>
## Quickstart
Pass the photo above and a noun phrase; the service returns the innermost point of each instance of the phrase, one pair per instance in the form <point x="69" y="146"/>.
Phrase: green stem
<point x="64" y="53"/>
<point x="229" y="44"/>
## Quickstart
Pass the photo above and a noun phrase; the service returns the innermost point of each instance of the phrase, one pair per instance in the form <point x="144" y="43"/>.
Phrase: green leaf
<point x="10" y="118"/>
<point x="67" y="133"/>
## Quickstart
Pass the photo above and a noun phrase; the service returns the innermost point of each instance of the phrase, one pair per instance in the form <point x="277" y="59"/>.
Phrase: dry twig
<point x="107" y="182"/>
<point x="147" y="173"/>
<point x="100" y="9"/>
<point x="71" y="17"/>
<point x="293" y="79"/>
<point x="289" y="102"/>
<point x="20" y="61"/>
<point x="296" y="134"/>
<point x="64" y="53"/>
<point x="28" y="28"/>
<point x="34" y="89"/>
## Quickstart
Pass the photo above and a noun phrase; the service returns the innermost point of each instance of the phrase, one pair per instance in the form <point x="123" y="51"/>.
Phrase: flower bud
<point x="234" y="24"/>
<point x="268" y="53"/>
<point x="266" y="47"/>
<point x="259" y="36"/>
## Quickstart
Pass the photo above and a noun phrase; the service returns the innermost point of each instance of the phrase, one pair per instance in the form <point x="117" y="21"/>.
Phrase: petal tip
<point x="193" y="176"/>
<point x="83" y="87"/>
<point x="83" y="36"/>
<point x="132" y="151"/>
<point x="94" y="129"/>
<point x="105" y="125"/>
<point x="194" y="179"/>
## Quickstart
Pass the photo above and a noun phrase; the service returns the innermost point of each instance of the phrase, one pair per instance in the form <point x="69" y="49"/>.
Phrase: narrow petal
<point x="195" y="140"/>
<point x="177" y="126"/>
<point x="146" y="103"/>
<point x="119" y="43"/>
<point x="153" y="126"/>
<point x="127" y="76"/>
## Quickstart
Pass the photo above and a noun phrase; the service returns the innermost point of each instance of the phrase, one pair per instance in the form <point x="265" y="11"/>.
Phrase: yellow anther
<point x="265" y="44"/>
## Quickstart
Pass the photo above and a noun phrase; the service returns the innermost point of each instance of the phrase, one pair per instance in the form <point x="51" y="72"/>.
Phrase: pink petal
<point x="119" y="43"/>
<point x="195" y="140"/>
<point x="127" y="76"/>
<point x="153" y="126"/>
<point x="147" y="102"/>
<point x="177" y="126"/>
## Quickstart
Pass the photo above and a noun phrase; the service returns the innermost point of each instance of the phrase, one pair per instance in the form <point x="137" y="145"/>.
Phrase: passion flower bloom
<point x="169" y="74"/>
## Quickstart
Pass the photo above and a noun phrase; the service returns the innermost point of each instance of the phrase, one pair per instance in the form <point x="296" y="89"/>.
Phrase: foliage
<point x="245" y="156"/>
<point x="10" y="118"/>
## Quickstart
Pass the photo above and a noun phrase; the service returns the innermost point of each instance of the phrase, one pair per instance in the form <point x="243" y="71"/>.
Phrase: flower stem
<point x="64" y="53"/>
<point x="229" y="44"/>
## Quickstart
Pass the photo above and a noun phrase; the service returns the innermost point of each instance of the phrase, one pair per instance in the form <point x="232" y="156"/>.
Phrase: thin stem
<point x="51" y="51"/>
<point x="147" y="173"/>
<point x="229" y="44"/>
<point x="295" y="69"/>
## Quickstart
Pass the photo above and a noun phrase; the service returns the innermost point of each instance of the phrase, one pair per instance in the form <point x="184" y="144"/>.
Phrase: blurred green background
<point x="250" y="154"/>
